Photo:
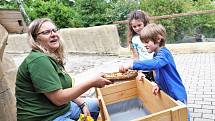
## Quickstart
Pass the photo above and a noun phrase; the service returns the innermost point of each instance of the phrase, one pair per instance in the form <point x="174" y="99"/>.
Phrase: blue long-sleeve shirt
<point x="167" y="77"/>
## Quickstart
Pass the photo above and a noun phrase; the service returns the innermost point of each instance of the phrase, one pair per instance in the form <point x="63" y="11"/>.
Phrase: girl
<point x="137" y="20"/>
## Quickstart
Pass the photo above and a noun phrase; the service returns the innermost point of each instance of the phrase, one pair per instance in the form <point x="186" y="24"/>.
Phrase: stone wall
<point x="197" y="47"/>
<point x="99" y="39"/>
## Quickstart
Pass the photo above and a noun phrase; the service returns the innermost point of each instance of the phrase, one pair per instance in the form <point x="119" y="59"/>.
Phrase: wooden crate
<point x="12" y="21"/>
<point x="161" y="107"/>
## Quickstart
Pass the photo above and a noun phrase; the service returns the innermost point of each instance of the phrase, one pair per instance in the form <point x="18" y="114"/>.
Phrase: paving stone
<point x="196" y="115"/>
<point x="208" y="111"/>
<point x="194" y="105"/>
<point x="208" y="107"/>
<point x="209" y="116"/>
<point x="202" y="119"/>
<point x="209" y="99"/>
<point x="203" y="102"/>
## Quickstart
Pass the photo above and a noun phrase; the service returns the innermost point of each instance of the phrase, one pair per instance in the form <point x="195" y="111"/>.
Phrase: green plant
<point x="175" y="27"/>
<point x="118" y="11"/>
<point x="4" y="4"/>
<point x="64" y="16"/>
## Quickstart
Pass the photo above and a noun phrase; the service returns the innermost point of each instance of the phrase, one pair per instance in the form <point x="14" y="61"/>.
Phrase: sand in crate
<point x="127" y="110"/>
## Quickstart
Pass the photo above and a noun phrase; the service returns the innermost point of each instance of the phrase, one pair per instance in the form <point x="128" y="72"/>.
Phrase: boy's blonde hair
<point x="153" y="32"/>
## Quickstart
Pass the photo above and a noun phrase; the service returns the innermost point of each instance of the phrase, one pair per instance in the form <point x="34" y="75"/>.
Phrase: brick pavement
<point x="198" y="73"/>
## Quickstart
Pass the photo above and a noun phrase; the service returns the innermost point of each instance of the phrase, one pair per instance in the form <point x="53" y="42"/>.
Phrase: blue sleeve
<point x="157" y="62"/>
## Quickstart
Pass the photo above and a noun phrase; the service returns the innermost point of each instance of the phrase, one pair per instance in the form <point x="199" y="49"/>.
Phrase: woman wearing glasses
<point x="44" y="90"/>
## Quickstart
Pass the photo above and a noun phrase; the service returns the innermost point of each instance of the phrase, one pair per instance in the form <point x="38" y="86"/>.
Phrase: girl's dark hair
<point x="136" y="15"/>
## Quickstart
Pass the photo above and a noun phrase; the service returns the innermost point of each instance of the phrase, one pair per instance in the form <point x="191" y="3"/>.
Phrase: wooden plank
<point x="118" y="87"/>
<point x="14" y="27"/>
<point x="104" y="113"/>
<point x="9" y="11"/>
<point x="172" y="16"/>
<point x="10" y="24"/>
<point x="160" y="116"/>
<point x="120" y="96"/>
<point x="101" y="105"/>
<point x="11" y="20"/>
<point x="11" y="15"/>
<point x="16" y="30"/>
<point x="179" y="113"/>
<point x="154" y="103"/>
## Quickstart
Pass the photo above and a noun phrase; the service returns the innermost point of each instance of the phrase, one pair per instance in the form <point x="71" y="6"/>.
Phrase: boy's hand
<point x="124" y="68"/>
<point x="140" y="76"/>
<point x="155" y="89"/>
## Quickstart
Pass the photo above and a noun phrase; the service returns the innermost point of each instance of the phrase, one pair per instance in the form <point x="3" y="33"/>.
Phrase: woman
<point x="44" y="90"/>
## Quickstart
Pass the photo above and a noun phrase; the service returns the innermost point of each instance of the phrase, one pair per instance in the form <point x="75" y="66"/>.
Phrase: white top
<point x="141" y="50"/>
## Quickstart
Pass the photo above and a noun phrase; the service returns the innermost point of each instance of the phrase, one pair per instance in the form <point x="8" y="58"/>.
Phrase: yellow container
<point x="82" y="118"/>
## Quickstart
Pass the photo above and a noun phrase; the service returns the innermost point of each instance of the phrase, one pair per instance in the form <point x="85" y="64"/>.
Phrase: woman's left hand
<point x="86" y="111"/>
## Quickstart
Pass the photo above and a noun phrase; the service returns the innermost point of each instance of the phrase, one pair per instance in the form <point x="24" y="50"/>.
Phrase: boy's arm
<point x="157" y="62"/>
<point x="125" y="67"/>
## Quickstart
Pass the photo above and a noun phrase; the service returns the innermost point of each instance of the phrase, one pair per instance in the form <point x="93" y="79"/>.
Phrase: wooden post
<point x="26" y="18"/>
<point x="172" y="16"/>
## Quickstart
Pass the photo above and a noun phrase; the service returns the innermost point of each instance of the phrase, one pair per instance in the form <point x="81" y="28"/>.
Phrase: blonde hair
<point x="153" y="32"/>
<point x="136" y="15"/>
<point x="33" y="30"/>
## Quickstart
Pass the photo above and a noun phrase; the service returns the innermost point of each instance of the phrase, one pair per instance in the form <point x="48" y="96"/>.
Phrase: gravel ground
<point x="79" y="63"/>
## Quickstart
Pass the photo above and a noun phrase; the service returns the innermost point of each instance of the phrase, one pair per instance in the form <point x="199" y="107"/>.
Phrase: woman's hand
<point x="99" y="81"/>
<point x="155" y="89"/>
<point x="85" y="111"/>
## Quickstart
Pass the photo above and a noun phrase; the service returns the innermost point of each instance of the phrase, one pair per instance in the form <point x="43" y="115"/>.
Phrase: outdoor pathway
<point x="197" y="71"/>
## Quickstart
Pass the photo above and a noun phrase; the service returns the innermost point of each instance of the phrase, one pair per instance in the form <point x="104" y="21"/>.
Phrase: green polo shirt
<point x="39" y="74"/>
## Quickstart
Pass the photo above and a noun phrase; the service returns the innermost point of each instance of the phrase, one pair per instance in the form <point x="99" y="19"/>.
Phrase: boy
<point x="167" y="77"/>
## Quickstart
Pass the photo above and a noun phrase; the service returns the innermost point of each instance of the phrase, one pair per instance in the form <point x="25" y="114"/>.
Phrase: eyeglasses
<point x="47" y="32"/>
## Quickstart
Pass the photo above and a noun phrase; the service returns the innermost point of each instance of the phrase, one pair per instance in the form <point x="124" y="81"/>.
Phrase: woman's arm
<point x="83" y="106"/>
<point x="62" y="96"/>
